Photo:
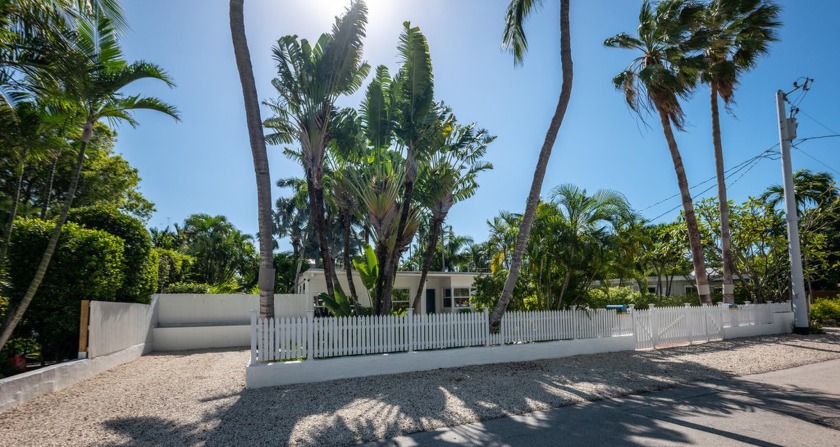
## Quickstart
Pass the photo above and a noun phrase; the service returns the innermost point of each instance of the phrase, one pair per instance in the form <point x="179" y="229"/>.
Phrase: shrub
<point x="187" y="287"/>
<point x="87" y="264"/>
<point x="172" y="267"/>
<point x="826" y="311"/>
<point x="140" y="267"/>
<point x="488" y="289"/>
<point x="600" y="297"/>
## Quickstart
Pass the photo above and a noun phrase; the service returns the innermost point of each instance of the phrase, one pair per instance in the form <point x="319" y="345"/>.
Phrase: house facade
<point x="443" y="292"/>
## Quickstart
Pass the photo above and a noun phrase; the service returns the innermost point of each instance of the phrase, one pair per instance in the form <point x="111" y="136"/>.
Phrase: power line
<point x="820" y="123"/>
<point x="764" y="154"/>
<point x="815" y="159"/>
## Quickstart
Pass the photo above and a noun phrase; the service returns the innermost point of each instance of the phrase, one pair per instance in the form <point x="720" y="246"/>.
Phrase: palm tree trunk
<point x="51" y="179"/>
<point x="688" y="209"/>
<point x="318" y="220"/>
<point x="257" y="140"/>
<point x="428" y="258"/>
<point x="393" y="258"/>
<point x="725" y="235"/>
<point x="348" y="266"/>
<point x="7" y="231"/>
<point x="539" y="172"/>
<point x="15" y="315"/>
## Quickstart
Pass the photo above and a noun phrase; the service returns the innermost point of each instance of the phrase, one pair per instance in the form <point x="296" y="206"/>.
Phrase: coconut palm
<point x="310" y="80"/>
<point x="259" y="155"/>
<point x="449" y="177"/>
<point x="657" y="79"/>
<point x="93" y="77"/>
<point x="291" y="219"/>
<point x="515" y="40"/>
<point x="737" y="33"/>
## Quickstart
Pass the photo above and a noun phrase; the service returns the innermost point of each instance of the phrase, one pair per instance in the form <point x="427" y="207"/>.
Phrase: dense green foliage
<point x="140" y="266"/>
<point x="187" y="287"/>
<point x="88" y="264"/>
<point x="173" y="267"/>
<point x="826" y="311"/>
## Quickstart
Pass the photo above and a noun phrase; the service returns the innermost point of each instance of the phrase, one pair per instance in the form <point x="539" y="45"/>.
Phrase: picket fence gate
<point x="297" y="338"/>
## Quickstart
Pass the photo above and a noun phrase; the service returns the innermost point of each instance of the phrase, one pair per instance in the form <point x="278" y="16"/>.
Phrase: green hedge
<point x="826" y="311"/>
<point x="173" y="267"/>
<point x="188" y="287"/>
<point x="87" y="264"/>
<point x="140" y="269"/>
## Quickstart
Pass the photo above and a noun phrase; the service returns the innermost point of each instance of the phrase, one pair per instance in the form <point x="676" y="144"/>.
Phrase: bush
<point x="172" y="267"/>
<point x="826" y="311"/>
<point x="87" y="264"/>
<point x="140" y="267"/>
<point x="600" y="297"/>
<point x="188" y="287"/>
<point x="488" y="289"/>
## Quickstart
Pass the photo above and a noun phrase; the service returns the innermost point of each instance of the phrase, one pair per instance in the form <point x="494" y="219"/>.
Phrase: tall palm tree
<point x="310" y="80"/>
<point x="413" y="92"/>
<point x="658" y="78"/>
<point x="291" y="219"/>
<point x="514" y="39"/>
<point x="449" y="177"/>
<point x="736" y="32"/>
<point x="93" y="76"/>
<point x="259" y="155"/>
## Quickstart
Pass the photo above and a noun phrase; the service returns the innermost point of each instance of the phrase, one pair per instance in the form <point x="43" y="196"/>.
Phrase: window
<point x="652" y="290"/>
<point x="460" y="299"/>
<point x="399" y="300"/>
<point x="690" y="290"/>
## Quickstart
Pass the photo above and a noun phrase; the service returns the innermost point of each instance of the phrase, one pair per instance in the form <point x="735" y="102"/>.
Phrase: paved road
<point x="798" y="406"/>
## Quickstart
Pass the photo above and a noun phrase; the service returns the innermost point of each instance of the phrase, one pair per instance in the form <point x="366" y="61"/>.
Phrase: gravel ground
<point x="199" y="397"/>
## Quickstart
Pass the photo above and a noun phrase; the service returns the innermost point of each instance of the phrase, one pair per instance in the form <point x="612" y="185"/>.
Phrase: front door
<point x="430" y="301"/>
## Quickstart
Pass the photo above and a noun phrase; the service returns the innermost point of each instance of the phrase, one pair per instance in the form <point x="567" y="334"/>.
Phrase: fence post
<point x="408" y="327"/>
<point x="631" y="310"/>
<point x="654" y="327"/>
<point x="487" y="327"/>
<point x="705" y="308"/>
<point x="84" y="322"/>
<point x="310" y="334"/>
<point x="690" y="323"/>
<point x="253" y="336"/>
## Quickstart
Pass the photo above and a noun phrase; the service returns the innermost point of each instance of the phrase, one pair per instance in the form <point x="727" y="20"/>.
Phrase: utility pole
<point x="787" y="132"/>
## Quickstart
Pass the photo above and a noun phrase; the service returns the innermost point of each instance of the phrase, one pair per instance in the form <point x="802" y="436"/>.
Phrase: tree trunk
<point x="431" y="244"/>
<point x="258" y="152"/>
<point x="318" y="220"/>
<point x="688" y="208"/>
<point x="393" y="258"/>
<point x="7" y="231"/>
<point x="51" y="179"/>
<point x="348" y="265"/>
<point x="13" y="316"/>
<point x="539" y="172"/>
<point x="725" y="236"/>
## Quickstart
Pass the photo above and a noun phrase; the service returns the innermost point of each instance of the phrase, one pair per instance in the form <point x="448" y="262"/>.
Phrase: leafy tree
<point x="220" y="251"/>
<point x="662" y="74"/>
<point x="736" y="33"/>
<point x="514" y="39"/>
<point x="93" y="76"/>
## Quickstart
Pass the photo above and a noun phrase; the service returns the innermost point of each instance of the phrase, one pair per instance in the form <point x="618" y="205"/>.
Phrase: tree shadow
<point x="352" y="411"/>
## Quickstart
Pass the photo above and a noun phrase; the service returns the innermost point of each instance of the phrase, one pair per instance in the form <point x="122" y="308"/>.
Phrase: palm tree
<point x="92" y="79"/>
<point x="291" y="219"/>
<point x="258" y="153"/>
<point x="449" y="177"/>
<point x="736" y="32"/>
<point x="310" y="80"/>
<point x="514" y="39"/>
<point x="658" y="79"/>
<point x="413" y="92"/>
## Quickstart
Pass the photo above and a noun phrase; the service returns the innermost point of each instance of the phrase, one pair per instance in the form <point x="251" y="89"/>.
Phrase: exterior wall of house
<point x="313" y="284"/>
<point x="680" y="285"/>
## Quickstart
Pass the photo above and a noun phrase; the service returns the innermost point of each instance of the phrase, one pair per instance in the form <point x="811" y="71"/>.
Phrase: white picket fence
<point x="290" y="338"/>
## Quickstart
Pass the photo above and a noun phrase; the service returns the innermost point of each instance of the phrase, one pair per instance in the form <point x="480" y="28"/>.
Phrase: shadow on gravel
<point x="380" y="407"/>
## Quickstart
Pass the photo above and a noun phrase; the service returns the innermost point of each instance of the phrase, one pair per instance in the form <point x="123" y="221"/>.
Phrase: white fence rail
<point x="290" y="338"/>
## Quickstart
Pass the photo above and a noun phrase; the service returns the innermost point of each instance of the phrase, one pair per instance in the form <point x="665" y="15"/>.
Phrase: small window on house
<point x="461" y="298"/>
<point x="717" y="291"/>
<point x="447" y="298"/>
<point x="399" y="300"/>
<point x="652" y="290"/>
<point x="690" y="290"/>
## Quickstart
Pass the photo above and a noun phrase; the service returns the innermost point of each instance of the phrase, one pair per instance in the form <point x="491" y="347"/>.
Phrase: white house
<point x="444" y="291"/>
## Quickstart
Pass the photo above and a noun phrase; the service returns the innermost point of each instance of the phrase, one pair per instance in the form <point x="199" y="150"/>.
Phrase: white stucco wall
<point x="218" y="310"/>
<point x="116" y="326"/>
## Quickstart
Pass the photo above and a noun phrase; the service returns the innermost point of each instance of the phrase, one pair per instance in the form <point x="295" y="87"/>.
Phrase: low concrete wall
<point x="182" y="338"/>
<point x="782" y="324"/>
<point x="286" y="373"/>
<point x="27" y="386"/>
<point x="194" y="309"/>
<point x="117" y="326"/>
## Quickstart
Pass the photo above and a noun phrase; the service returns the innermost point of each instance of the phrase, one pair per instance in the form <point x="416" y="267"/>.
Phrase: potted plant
<point x="16" y="350"/>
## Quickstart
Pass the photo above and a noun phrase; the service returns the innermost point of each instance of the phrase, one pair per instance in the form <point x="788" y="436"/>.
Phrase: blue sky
<point x="203" y="164"/>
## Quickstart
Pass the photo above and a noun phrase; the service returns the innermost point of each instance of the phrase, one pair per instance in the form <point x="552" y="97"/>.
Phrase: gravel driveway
<point x="198" y="397"/>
